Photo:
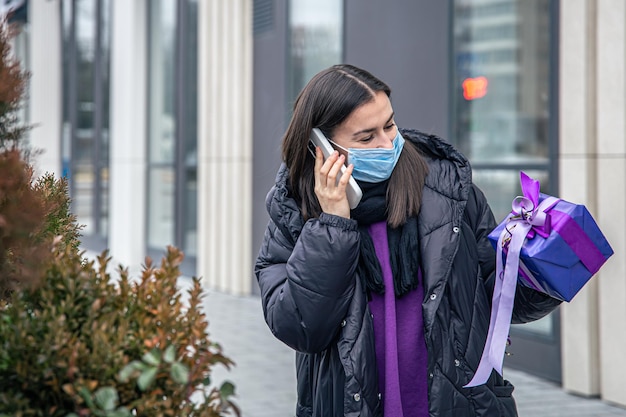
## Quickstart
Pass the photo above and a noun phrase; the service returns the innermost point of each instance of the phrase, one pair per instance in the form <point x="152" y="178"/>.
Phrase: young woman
<point x="387" y="305"/>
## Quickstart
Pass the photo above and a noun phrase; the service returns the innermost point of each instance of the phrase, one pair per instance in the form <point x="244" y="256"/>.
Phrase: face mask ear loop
<point x="339" y="146"/>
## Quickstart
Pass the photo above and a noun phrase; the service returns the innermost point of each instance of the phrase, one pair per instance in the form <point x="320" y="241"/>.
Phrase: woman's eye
<point x="367" y="139"/>
<point x="390" y="126"/>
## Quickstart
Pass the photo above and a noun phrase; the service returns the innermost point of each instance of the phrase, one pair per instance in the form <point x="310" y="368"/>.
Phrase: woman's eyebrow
<point x="373" y="128"/>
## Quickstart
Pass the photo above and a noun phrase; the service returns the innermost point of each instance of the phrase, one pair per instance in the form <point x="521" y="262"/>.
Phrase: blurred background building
<point x="166" y="117"/>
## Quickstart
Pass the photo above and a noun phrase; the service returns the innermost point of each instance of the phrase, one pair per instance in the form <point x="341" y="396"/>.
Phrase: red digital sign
<point x="474" y="88"/>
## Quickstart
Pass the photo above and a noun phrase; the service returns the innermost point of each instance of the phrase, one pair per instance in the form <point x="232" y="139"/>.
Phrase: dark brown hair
<point x="325" y="102"/>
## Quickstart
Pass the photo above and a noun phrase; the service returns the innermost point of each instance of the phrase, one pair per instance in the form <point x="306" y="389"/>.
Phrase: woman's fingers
<point x="334" y="171"/>
<point x="330" y="184"/>
<point x="343" y="180"/>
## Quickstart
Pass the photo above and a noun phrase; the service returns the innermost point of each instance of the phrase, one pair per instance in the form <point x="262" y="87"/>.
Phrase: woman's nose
<point x="384" y="141"/>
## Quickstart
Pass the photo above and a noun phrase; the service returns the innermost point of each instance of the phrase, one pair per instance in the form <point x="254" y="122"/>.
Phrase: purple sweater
<point x="401" y="354"/>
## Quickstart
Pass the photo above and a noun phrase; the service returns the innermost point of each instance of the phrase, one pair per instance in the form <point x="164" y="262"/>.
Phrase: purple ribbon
<point x="528" y="216"/>
<point x="575" y="237"/>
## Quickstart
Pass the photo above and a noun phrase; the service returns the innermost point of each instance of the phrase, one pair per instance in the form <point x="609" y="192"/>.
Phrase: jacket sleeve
<point x="306" y="287"/>
<point x="529" y="305"/>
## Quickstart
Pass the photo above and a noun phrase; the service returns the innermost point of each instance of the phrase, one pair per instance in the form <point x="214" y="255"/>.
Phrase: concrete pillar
<point x="593" y="172"/>
<point x="45" y="89"/>
<point x="577" y="173"/>
<point x="225" y="145"/>
<point x="128" y="131"/>
<point x="611" y="191"/>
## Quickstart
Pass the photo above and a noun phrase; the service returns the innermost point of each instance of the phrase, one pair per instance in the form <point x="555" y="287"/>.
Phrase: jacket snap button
<point x="433" y="297"/>
<point x="457" y="362"/>
<point x="380" y="396"/>
<point x="357" y="397"/>
<point x="431" y="375"/>
<point x="343" y="323"/>
<point x="455" y="229"/>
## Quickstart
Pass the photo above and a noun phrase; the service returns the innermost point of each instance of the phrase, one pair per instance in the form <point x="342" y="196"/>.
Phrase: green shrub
<point x="32" y="213"/>
<point x="22" y="210"/>
<point x="84" y="344"/>
<point x="32" y="217"/>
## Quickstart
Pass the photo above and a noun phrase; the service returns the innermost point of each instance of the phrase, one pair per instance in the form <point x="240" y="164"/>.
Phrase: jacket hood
<point x="282" y="208"/>
<point x="450" y="173"/>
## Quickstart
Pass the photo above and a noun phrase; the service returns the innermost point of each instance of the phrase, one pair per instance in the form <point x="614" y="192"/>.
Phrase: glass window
<point x="173" y="120"/>
<point x="161" y="206"/>
<point x="21" y="43"/>
<point x="316" y="39"/>
<point x="501" y="101"/>
<point x="190" y="131"/>
<point x="162" y="101"/>
<point x="85" y="145"/>
<point x="103" y="159"/>
<point x="162" y="123"/>
<point x="501" y="94"/>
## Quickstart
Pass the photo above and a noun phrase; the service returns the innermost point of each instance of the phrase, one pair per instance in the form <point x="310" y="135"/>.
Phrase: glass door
<point x="85" y="146"/>
<point x="172" y="128"/>
<point x="503" y="109"/>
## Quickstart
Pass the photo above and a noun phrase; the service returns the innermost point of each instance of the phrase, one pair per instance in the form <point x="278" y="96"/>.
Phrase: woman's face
<point x="370" y="125"/>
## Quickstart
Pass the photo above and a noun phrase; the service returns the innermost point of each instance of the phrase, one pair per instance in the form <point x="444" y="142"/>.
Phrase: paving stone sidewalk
<point x="264" y="374"/>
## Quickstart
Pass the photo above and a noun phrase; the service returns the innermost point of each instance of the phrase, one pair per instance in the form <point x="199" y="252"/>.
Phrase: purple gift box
<point x="547" y="244"/>
<point x="563" y="249"/>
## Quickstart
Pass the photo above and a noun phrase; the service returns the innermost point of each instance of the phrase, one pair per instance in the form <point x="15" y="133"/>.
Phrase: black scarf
<point x="403" y="243"/>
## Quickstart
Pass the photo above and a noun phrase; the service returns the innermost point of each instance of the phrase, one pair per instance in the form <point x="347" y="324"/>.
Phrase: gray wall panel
<point x="269" y="115"/>
<point x="406" y="44"/>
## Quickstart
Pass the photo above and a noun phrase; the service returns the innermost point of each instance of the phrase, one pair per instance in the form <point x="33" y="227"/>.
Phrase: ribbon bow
<point x="527" y="217"/>
<point x="528" y="208"/>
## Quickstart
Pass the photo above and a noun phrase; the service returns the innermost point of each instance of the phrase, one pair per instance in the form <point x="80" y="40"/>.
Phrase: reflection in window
<point x="501" y="185"/>
<point x="501" y="99"/>
<point x="508" y="48"/>
<point x="162" y="123"/>
<point x="173" y="120"/>
<point x="162" y="100"/>
<point x="316" y="34"/>
<point x="189" y="135"/>
<point x="85" y="146"/>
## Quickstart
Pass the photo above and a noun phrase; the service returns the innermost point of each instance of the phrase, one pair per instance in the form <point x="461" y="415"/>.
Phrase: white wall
<point x="127" y="161"/>
<point x="225" y="145"/>
<point x="611" y="162"/>
<point x="45" y="91"/>
<point x="593" y="172"/>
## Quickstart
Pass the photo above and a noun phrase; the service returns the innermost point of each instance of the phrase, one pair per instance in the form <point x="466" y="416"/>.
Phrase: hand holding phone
<point x="353" y="191"/>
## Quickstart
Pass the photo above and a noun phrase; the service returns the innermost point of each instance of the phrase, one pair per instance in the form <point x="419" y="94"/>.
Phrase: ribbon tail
<point x="502" y="306"/>
<point x="485" y="365"/>
<point x="482" y="373"/>
<point x="503" y="321"/>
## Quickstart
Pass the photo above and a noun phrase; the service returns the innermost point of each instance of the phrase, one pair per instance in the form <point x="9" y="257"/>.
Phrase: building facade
<point x="166" y="116"/>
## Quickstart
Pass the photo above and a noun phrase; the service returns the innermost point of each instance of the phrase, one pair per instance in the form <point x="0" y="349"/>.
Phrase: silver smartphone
<point x="353" y="191"/>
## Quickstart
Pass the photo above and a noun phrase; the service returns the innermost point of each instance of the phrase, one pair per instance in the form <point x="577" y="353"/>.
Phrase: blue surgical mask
<point x="374" y="164"/>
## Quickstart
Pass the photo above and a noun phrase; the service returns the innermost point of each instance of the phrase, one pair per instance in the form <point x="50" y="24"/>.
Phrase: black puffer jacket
<point x="314" y="302"/>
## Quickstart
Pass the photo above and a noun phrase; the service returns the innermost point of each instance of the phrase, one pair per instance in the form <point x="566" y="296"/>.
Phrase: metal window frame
<point x="181" y="129"/>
